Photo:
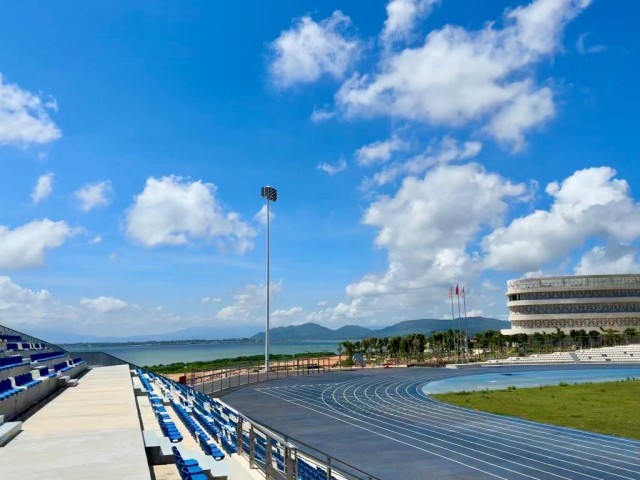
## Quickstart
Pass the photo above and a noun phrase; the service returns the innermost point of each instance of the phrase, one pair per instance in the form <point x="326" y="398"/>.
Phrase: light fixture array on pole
<point x="271" y="195"/>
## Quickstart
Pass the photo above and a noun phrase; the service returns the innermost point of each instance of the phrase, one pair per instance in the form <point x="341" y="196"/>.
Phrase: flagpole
<point x="453" y="318"/>
<point x="459" y="323"/>
<point x="466" y="330"/>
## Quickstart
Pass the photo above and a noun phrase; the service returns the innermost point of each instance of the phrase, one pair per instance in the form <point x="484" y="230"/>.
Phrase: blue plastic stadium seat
<point x="10" y="362"/>
<point x="26" y="380"/>
<point x="7" y="390"/>
<point x="7" y="337"/>
<point x="36" y="357"/>
<point x="188" y="468"/>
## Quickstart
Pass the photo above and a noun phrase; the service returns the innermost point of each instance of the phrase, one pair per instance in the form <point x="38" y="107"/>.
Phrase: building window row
<point x="571" y="282"/>
<point x="575" y="308"/>
<point x="586" y="323"/>
<point x="514" y="297"/>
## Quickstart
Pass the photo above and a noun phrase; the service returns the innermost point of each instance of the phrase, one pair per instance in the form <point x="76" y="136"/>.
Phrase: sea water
<point x="164" y="354"/>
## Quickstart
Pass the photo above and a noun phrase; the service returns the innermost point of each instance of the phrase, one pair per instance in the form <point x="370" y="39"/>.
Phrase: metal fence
<point x="281" y="457"/>
<point x="276" y="455"/>
<point x="217" y="380"/>
<point x="29" y="338"/>
<point x="103" y="359"/>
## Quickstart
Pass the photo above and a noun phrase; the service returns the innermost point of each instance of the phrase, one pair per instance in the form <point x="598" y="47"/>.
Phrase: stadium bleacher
<point x="26" y="376"/>
<point x="617" y="354"/>
<point x="169" y="431"/>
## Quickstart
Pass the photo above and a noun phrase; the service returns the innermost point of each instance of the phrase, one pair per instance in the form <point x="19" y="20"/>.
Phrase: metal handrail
<point x="307" y="449"/>
<point x="226" y="378"/>
<point x="29" y="338"/>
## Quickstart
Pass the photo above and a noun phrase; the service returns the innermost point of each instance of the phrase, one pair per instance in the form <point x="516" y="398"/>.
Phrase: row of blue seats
<point x="260" y="451"/>
<point x="167" y="426"/>
<point x="68" y="365"/>
<point x="307" y="471"/>
<point x="197" y="432"/>
<point x="188" y="469"/>
<point x="26" y="380"/>
<point x="9" y="388"/>
<point x="220" y="426"/>
<point x="44" y="372"/>
<point x="10" y="338"/>
<point x="145" y="383"/>
<point x="196" y="402"/>
<point x="10" y="362"/>
<point x="25" y="346"/>
<point x="218" y="435"/>
<point x="36" y="357"/>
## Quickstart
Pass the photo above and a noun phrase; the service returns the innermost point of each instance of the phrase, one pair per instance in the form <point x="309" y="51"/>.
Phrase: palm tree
<point x="631" y="335"/>
<point x="419" y="341"/>
<point x="349" y="348"/>
<point x="595" y="339"/>
<point x="558" y="337"/>
<point x="610" y="336"/>
<point x="394" y="346"/>
<point x="406" y="346"/>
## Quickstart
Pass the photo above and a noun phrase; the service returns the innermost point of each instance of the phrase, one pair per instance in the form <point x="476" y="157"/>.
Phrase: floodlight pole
<point x="270" y="194"/>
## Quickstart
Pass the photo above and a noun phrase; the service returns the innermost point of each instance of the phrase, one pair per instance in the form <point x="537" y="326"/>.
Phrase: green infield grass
<point x="611" y="408"/>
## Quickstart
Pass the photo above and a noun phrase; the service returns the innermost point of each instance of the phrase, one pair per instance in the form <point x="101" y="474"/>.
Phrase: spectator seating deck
<point x="91" y="431"/>
<point x="620" y="354"/>
<point x="178" y="426"/>
<point x="31" y="372"/>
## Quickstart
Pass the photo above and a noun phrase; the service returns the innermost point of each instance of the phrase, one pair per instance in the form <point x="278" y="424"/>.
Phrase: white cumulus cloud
<point x="447" y="150"/>
<point x="461" y="77"/>
<point x="589" y="203"/>
<point x="24" y="116"/>
<point x="25" y="246"/>
<point x="248" y="303"/>
<point x="379" y="152"/>
<point x="175" y="211"/>
<point x="289" y="312"/>
<point x="94" y="195"/>
<point x="333" y="168"/>
<point x="206" y="300"/>
<point x="261" y="216"/>
<point x="104" y="304"/>
<point x="309" y="50"/>
<point x="585" y="50"/>
<point x="43" y="188"/>
<point x="609" y="260"/>
<point x="320" y="115"/>
<point x="428" y="229"/>
<point x="402" y="18"/>
<point x="40" y="313"/>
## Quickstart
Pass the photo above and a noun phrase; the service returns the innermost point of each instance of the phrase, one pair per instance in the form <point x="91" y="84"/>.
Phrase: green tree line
<point x="446" y="345"/>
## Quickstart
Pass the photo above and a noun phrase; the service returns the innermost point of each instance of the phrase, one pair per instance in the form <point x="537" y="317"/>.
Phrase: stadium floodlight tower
<point x="271" y="195"/>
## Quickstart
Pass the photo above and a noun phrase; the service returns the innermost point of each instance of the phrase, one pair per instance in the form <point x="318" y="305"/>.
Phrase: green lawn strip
<point x="610" y="408"/>
<point x="182" y="367"/>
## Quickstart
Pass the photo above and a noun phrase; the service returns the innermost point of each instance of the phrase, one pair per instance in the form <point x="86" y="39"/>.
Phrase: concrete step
<point x="8" y="431"/>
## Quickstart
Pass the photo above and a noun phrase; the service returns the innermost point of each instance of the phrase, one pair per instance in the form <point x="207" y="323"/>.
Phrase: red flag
<point x="457" y="292"/>
<point x="462" y="292"/>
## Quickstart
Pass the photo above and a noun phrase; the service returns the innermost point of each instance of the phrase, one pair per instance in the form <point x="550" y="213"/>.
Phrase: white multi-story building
<point x="582" y="302"/>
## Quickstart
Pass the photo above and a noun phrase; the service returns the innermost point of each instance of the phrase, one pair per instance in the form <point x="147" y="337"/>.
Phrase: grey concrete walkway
<point x="91" y="431"/>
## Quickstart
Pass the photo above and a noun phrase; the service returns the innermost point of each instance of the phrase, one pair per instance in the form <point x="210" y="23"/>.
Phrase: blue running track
<point x="383" y="423"/>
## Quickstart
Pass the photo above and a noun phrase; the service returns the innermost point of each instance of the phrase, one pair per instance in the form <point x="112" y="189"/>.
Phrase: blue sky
<point x="415" y="144"/>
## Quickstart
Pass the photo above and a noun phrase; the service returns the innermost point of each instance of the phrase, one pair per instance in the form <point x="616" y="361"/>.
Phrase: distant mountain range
<point x="192" y="333"/>
<point x="307" y="331"/>
<point x="313" y="331"/>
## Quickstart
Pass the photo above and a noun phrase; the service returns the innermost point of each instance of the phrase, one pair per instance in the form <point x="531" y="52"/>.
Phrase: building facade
<point x="582" y="302"/>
